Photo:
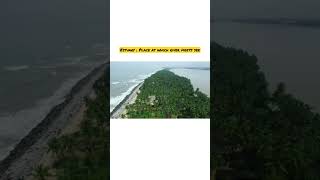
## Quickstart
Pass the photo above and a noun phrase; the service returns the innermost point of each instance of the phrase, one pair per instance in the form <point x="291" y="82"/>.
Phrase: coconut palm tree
<point x="54" y="146"/>
<point x="41" y="173"/>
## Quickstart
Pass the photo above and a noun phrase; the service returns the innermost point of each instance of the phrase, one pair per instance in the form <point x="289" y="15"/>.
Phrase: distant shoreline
<point x="191" y="68"/>
<point x="21" y="160"/>
<point x="311" y="23"/>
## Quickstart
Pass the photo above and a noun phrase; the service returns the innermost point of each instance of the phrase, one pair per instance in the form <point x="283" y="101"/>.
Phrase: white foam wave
<point x="134" y="80"/>
<point x="114" y="101"/>
<point x="16" y="68"/>
<point x="140" y="78"/>
<point x="17" y="125"/>
<point x="115" y="82"/>
<point x="145" y="76"/>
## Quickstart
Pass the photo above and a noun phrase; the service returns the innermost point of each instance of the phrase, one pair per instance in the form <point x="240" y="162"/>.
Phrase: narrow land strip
<point x="31" y="149"/>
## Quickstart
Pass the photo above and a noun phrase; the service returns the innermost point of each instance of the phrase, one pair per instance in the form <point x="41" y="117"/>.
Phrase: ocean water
<point x="286" y="54"/>
<point x="29" y="91"/>
<point x="45" y="48"/>
<point x="124" y="76"/>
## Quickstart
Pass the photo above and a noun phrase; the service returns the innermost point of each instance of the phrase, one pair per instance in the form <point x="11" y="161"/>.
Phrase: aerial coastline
<point x="29" y="151"/>
<point x="190" y="72"/>
<point x="165" y="94"/>
<point x="120" y="109"/>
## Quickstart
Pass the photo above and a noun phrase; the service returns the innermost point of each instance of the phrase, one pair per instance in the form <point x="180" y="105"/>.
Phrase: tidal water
<point x="199" y="78"/>
<point x="288" y="54"/>
<point x="45" y="48"/>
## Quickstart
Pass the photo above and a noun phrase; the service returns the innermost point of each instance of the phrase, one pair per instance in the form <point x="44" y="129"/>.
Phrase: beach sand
<point x="129" y="99"/>
<point x="72" y="126"/>
<point x="63" y="119"/>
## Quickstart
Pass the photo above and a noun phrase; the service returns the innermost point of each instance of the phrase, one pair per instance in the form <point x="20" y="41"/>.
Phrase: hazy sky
<point x="266" y="8"/>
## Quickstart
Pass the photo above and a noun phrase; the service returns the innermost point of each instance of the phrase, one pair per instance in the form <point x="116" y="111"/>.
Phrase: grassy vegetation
<point x="85" y="153"/>
<point x="166" y="95"/>
<point x="258" y="134"/>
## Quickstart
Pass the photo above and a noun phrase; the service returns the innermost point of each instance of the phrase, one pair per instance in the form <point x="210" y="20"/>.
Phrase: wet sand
<point x="72" y="126"/>
<point x="64" y="118"/>
<point x="120" y="109"/>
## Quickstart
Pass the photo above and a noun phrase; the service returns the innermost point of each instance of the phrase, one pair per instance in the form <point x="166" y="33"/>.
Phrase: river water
<point x="288" y="54"/>
<point x="199" y="78"/>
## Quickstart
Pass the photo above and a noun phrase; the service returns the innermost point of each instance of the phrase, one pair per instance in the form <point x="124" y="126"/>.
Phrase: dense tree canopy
<point x="257" y="134"/>
<point x="85" y="153"/>
<point x="167" y="95"/>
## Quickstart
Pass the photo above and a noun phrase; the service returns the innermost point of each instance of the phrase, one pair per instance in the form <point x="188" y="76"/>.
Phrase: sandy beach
<point x="72" y="126"/>
<point x="63" y="119"/>
<point x="120" y="109"/>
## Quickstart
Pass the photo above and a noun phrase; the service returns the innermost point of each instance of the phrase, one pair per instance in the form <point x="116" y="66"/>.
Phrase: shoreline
<point x="195" y="82"/>
<point x="121" y="107"/>
<point x="27" y="153"/>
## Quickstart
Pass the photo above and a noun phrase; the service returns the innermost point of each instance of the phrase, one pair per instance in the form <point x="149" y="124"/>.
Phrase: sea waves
<point x="16" y="68"/>
<point x="114" y="101"/>
<point x="128" y="86"/>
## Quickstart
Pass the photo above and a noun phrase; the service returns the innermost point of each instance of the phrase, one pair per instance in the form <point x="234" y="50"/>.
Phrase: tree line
<point x="257" y="133"/>
<point x="167" y="95"/>
<point x="83" y="154"/>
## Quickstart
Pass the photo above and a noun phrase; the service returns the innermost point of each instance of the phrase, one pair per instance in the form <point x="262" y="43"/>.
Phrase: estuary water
<point x="288" y="54"/>
<point x="200" y="78"/>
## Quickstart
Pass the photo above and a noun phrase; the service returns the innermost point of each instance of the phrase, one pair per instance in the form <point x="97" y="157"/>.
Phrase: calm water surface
<point x="286" y="54"/>
<point x="199" y="78"/>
